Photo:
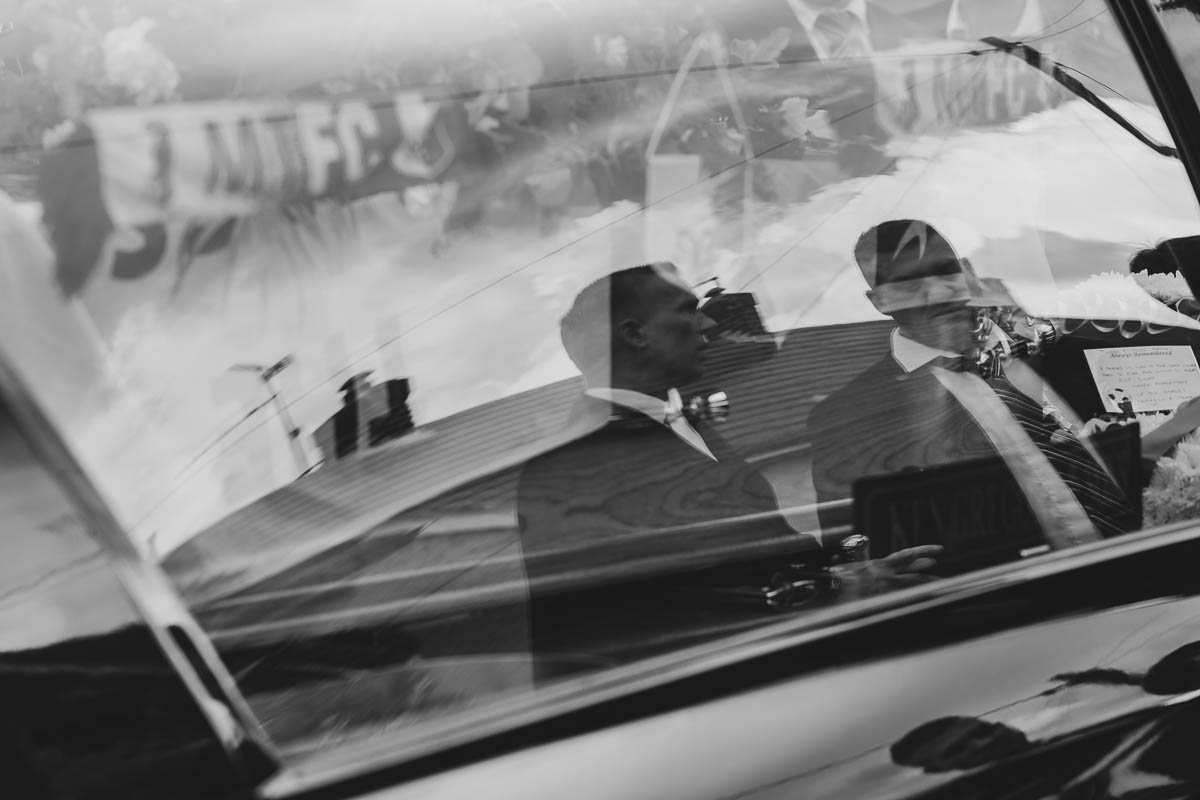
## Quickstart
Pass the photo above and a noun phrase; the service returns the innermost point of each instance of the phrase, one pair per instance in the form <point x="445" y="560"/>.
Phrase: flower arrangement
<point x="1167" y="288"/>
<point x="137" y="67"/>
<point x="1174" y="491"/>
<point x="1138" y="301"/>
<point x="88" y="55"/>
<point x="1173" y="494"/>
<point x="90" y="64"/>
<point x="1153" y="303"/>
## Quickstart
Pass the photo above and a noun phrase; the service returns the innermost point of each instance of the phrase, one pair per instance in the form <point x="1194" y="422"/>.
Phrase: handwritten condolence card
<point x="1144" y="379"/>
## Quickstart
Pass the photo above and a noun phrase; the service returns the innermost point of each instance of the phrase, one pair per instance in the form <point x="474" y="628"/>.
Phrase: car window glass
<point x="1178" y="21"/>
<point x="443" y="355"/>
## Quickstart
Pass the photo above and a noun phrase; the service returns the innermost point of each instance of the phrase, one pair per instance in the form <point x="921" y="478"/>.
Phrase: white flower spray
<point x="137" y="66"/>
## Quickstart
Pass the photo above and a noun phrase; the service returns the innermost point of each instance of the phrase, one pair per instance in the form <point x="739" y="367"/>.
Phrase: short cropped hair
<point x="587" y="329"/>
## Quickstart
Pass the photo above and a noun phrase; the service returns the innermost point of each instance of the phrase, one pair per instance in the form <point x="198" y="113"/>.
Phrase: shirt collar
<point x="651" y="406"/>
<point x="911" y="355"/>
<point x="807" y="15"/>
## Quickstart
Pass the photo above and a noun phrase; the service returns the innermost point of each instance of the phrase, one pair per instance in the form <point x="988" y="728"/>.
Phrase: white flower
<point x="613" y="51"/>
<point x="1174" y="491"/>
<point x="742" y="49"/>
<point x="799" y="122"/>
<point x="1164" y="288"/>
<point x="138" y="66"/>
<point x="795" y="113"/>
<point x="53" y="137"/>
<point x="1104" y="296"/>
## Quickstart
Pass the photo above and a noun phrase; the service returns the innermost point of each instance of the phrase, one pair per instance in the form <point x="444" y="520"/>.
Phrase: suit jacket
<point x="621" y="530"/>
<point x="887" y="421"/>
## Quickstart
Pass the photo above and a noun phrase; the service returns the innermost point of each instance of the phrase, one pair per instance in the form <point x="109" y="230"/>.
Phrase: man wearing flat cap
<point x="922" y="406"/>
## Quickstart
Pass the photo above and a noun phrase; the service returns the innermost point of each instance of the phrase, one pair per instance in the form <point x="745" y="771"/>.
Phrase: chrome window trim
<point x="1149" y="46"/>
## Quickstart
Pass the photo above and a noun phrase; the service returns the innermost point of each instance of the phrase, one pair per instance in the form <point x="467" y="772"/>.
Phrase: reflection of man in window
<point x="643" y="488"/>
<point x="632" y="516"/>
<point x="831" y="30"/>
<point x="825" y="50"/>
<point x="921" y="406"/>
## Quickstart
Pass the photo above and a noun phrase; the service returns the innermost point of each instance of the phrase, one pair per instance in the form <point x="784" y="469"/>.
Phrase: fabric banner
<point x="213" y="160"/>
<point x="181" y="175"/>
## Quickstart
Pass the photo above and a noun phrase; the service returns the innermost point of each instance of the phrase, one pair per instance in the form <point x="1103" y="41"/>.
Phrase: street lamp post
<point x="267" y="375"/>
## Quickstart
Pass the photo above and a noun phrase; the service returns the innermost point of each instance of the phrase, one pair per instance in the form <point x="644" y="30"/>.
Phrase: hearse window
<point x="1179" y="19"/>
<point x="444" y="354"/>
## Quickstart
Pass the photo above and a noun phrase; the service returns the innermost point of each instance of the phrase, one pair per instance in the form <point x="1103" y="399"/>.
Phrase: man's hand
<point x="1159" y="441"/>
<point x="896" y="571"/>
<point x="913" y="560"/>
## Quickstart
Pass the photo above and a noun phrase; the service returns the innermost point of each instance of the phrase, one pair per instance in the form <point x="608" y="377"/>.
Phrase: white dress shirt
<point x="669" y="413"/>
<point x="912" y="355"/>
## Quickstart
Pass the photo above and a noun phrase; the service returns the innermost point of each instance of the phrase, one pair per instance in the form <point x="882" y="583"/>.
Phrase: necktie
<point x="1103" y="501"/>
<point x="841" y="35"/>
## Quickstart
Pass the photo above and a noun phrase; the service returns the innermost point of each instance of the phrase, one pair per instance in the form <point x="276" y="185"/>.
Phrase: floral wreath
<point x="1173" y="493"/>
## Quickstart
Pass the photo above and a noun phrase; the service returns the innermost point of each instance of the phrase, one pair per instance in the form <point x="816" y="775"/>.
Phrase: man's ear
<point x="630" y="332"/>
<point x="876" y="301"/>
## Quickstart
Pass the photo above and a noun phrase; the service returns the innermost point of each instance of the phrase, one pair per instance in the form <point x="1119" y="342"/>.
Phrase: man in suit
<point x="645" y="516"/>
<point x="921" y="406"/>
<point x="831" y="30"/>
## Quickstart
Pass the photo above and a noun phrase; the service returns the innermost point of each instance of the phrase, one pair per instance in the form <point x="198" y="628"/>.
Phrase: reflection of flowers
<point x="90" y="66"/>
<point x="1171" y="290"/>
<point x="763" y="54"/>
<point x="798" y="121"/>
<point x="137" y="66"/>
<point x="58" y="134"/>
<point x="1163" y="287"/>
<point x="613" y="51"/>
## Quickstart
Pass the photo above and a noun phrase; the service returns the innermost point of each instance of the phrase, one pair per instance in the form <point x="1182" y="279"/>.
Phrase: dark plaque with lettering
<point x="975" y="509"/>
